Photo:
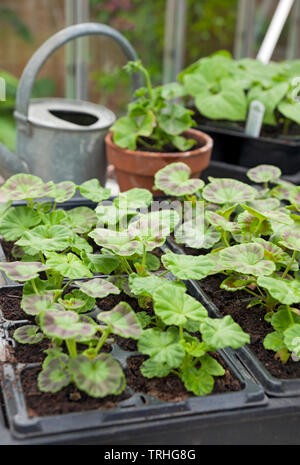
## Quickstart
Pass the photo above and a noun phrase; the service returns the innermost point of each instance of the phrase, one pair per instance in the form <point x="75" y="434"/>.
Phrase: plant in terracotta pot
<point x="156" y="131"/>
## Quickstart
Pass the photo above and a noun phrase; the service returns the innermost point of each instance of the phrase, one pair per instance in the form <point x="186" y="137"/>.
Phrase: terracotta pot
<point x="136" y="168"/>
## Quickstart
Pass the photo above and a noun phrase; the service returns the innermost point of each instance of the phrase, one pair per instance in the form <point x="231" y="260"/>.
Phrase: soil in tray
<point x="70" y="399"/>
<point x="252" y="321"/>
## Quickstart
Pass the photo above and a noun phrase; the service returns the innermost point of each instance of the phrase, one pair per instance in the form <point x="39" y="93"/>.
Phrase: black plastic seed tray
<point x="138" y="409"/>
<point x="272" y="386"/>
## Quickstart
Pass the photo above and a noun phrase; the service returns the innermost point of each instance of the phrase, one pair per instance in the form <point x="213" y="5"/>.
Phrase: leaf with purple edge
<point x="228" y="191"/>
<point x="122" y="321"/>
<point x="35" y="304"/>
<point x="21" y="271"/>
<point x="97" y="287"/>
<point x="247" y="259"/>
<point x="264" y="173"/>
<point x="28" y="334"/>
<point x="174" y="179"/>
<point x="65" y="325"/>
<point x="54" y="377"/>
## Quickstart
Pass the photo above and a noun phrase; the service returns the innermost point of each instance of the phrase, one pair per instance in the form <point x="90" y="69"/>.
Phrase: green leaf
<point x="120" y="243"/>
<point x="18" y="220"/>
<point x="197" y="235"/>
<point x="127" y="129"/>
<point x="68" y="265"/>
<point x="23" y="186"/>
<point x="122" y="320"/>
<point x="45" y="238"/>
<point x="264" y="173"/>
<point x="28" y="334"/>
<point x="162" y="346"/>
<point x="197" y="381"/>
<point x="133" y="199"/>
<point x="98" y="377"/>
<point x="147" y="286"/>
<point x="236" y="283"/>
<point x="291" y="240"/>
<point x="97" y="287"/>
<point x="274" y="341"/>
<point x="228" y="191"/>
<point x="176" y="120"/>
<point x="20" y="271"/>
<point x="292" y="339"/>
<point x="105" y="262"/>
<point x="53" y="378"/>
<point x="228" y="104"/>
<point x="211" y="366"/>
<point x="63" y="191"/>
<point x="290" y="110"/>
<point x="174" y="179"/>
<point x="286" y="292"/>
<point x="65" y="325"/>
<point x="152" y="368"/>
<point x="188" y="267"/>
<point x="247" y="258"/>
<point x="35" y="304"/>
<point x="175" y="307"/>
<point x="78" y="301"/>
<point x="223" y="332"/>
<point x="80" y="219"/>
<point x="270" y="98"/>
<point x="93" y="190"/>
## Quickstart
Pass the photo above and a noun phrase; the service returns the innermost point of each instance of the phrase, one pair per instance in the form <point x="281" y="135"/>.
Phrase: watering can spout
<point x="10" y="163"/>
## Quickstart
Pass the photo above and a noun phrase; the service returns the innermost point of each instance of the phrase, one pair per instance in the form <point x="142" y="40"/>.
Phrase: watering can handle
<point x="51" y="45"/>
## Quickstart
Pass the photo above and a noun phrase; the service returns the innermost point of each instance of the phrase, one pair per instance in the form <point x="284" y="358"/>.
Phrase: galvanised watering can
<point x="61" y="139"/>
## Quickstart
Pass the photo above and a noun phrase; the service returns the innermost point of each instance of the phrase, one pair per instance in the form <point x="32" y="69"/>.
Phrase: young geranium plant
<point x="170" y="346"/>
<point x="154" y="119"/>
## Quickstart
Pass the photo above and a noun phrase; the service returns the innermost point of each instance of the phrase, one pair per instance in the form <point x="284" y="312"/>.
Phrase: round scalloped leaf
<point x="98" y="377"/>
<point x="247" y="259"/>
<point x="174" y="179"/>
<point x="68" y="265"/>
<point x="228" y="191"/>
<point x="265" y="204"/>
<point x="63" y="191"/>
<point x="264" y="173"/>
<point x="197" y="236"/>
<point x="103" y="263"/>
<point x="277" y="216"/>
<point x="121" y="243"/>
<point x="23" y="186"/>
<point x="93" y="190"/>
<point x="17" y="221"/>
<point x="28" y="334"/>
<point x="148" y="285"/>
<point x="275" y="253"/>
<point x="163" y="347"/>
<point x="133" y="199"/>
<point x="80" y="219"/>
<point x="221" y="223"/>
<point x="188" y="267"/>
<point x="66" y="325"/>
<point x="154" y="227"/>
<point x="292" y="339"/>
<point x="294" y="196"/>
<point x="78" y="301"/>
<point x="197" y="381"/>
<point x="291" y="240"/>
<point x="45" y="238"/>
<point x="22" y="271"/>
<point x="236" y="283"/>
<point x="154" y="369"/>
<point x="248" y="223"/>
<point x="122" y="321"/>
<point x="175" y="307"/>
<point x="286" y="292"/>
<point x="35" y="304"/>
<point x="54" y="377"/>
<point x="97" y="287"/>
<point x="219" y="333"/>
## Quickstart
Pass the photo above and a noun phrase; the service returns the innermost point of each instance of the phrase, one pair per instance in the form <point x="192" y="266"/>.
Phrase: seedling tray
<point x="237" y="148"/>
<point x="137" y="409"/>
<point x="273" y="386"/>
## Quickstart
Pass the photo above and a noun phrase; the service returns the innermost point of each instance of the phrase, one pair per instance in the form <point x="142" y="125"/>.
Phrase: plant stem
<point x="144" y="255"/>
<point x="290" y="315"/>
<point x="286" y="126"/>
<point x="290" y="264"/>
<point x="71" y="345"/>
<point x="34" y="287"/>
<point x="102" y="340"/>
